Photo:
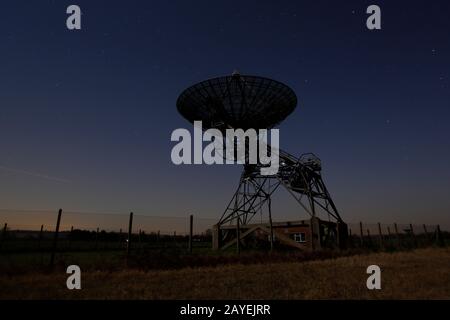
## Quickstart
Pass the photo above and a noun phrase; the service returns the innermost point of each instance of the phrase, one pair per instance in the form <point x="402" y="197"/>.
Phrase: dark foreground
<point x="419" y="274"/>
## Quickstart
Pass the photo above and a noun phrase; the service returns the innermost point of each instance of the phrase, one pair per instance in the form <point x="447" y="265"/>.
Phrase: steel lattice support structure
<point x="301" y="177"/>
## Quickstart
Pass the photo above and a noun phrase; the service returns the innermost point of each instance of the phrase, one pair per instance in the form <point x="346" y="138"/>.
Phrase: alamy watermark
<point x="73" y="21"/>
<point x="236" y="147"/>
<point x="74" y="280"/>
<point x="374" y="280"/>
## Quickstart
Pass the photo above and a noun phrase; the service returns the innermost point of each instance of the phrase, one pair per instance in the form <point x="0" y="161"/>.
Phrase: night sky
<point x="86" y="116"/>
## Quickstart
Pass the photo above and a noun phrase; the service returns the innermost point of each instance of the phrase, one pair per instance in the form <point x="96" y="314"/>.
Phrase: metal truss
<point x="301" y="177"/>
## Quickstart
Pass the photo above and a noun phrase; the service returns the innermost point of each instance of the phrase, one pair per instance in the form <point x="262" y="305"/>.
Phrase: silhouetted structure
<point x="250" y="102"/>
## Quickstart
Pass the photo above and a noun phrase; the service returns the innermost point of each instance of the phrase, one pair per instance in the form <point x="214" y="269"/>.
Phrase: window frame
<point x="301" y="236"/>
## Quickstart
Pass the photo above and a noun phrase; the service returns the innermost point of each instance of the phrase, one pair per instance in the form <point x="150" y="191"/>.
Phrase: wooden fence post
<point x="70" y="237"/>
<point x="140" y="238"/>
<point x="389" y="235"/>
<point x="440" y="240"/>
<point x="413" y="236"/>
<point x="41" y="233"/>
<point x="96" y="239"/>
<point x="397" y="235"/>
<point x="427" y="237"/>
<point x="361" y="233"/>
<point x="55" y="239"/>
<point x="369" y="237"/>
<point x="130" y="229"/>
<point x="380" y="233"/>
<point x="3" y="235"/>
<point x="191" y="229"/>
<point x="425" y="230"/>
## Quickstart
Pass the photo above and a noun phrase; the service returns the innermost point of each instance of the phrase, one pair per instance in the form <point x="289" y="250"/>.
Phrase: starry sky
<point x="86" y="116"/>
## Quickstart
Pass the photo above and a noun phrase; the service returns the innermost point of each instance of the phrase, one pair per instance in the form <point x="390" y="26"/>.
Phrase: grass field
<point x="419" y="274"/>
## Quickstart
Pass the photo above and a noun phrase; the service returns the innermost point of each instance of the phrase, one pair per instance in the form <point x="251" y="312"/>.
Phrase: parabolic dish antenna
<point x="237" y="101"/>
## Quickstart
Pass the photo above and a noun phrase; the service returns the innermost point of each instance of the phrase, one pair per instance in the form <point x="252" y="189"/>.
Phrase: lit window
<point x="300" y="237"/>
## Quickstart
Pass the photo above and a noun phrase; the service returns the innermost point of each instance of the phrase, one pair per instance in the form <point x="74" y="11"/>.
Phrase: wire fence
<point x="393" y="235"/>
<point x="32" y="220"/>
<point x="32" y="230"/>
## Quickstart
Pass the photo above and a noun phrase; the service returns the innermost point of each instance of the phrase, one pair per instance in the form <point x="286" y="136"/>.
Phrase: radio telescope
<point x="252" y="102"/>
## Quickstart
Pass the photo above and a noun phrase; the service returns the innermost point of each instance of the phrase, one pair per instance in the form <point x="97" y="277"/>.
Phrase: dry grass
<point x="420" y="274"/>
